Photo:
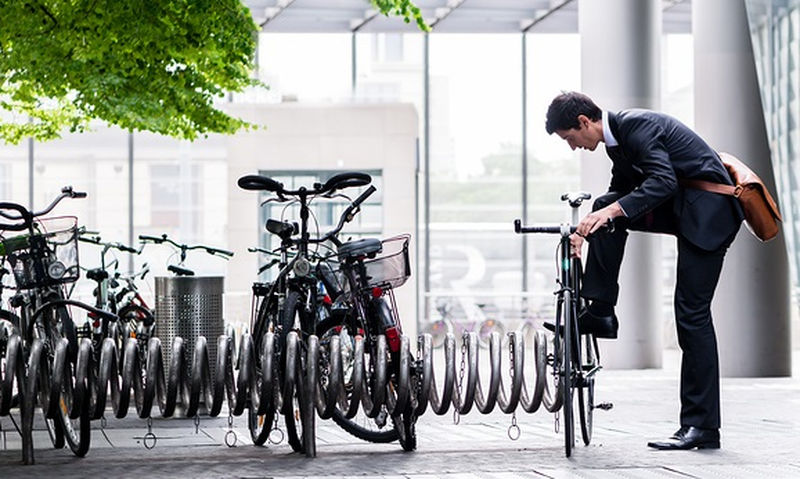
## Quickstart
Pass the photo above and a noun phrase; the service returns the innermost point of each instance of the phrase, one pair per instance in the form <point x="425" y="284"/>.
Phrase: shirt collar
<point x="608" y="137"/>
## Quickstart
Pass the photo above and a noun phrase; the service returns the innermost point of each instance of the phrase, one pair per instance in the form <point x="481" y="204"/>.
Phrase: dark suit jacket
<point x="655" y="150"/>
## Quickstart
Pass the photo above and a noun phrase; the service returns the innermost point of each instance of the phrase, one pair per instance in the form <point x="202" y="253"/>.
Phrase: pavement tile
<point x="761" y="424"/>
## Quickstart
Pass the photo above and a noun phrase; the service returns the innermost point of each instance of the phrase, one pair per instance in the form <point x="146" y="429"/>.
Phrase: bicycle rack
<point x="245" y="378"/>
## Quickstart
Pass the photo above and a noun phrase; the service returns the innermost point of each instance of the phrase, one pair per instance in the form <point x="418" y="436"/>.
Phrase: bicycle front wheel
<point x="72" y="411"/>
<point x="589" y="365"/>
<point x="570" y="328"/>
<point x="299" y="427"/>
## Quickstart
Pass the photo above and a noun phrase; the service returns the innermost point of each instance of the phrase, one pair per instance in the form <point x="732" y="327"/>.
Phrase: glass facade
<point x="485" y="158"/>
<point x="775" y="31"/>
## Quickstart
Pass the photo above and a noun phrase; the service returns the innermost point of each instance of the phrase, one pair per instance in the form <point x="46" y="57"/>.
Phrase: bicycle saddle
<point x="362" y="247"/>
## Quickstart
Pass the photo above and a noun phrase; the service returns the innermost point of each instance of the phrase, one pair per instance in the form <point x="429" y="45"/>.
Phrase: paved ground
<point x="761" y="432"/>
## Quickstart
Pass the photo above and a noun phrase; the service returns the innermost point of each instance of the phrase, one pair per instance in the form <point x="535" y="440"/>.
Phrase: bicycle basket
<point x="49" y="256"/>
<point x="392" y="268"/>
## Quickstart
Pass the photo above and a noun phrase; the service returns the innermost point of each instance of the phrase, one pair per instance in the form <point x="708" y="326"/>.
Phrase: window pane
<point x="475" y="165"/>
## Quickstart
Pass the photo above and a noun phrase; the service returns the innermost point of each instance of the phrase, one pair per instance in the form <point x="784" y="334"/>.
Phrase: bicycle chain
<point x="456" y="413"/>
<point x="514" y="431"/>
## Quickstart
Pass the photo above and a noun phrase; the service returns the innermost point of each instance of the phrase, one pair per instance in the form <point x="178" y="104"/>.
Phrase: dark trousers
<point x="697" y="278"/>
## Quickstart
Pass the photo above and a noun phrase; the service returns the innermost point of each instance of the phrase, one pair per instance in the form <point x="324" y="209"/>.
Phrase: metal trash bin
<point x="189" y="307"/>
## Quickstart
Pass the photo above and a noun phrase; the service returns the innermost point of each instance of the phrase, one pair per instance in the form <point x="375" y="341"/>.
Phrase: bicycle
<point x="292" y="299"/>
<point x="461" y="323"/>
<point x="180" y="269"/>
<point x="44" y="259"/>
<point x="356" y="294"/>
<point x="573" y="358"/>
<point x="105" y="294"/>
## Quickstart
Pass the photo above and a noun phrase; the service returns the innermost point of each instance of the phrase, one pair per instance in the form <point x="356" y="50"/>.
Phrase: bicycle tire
<point x="406" y="426"/>
<point x="294" y="414"/>
<point x="360" y="426"/>
<point x="77" y="426"/>
<point x="586" y="390"/>
<point x="567" y="357"/>
<point x="381" y="436"/>
<point x="259" y="427"/>
<point x="54" y="427"/>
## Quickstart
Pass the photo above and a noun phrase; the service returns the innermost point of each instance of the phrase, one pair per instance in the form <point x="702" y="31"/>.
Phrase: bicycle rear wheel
<point x="362" y="427"/>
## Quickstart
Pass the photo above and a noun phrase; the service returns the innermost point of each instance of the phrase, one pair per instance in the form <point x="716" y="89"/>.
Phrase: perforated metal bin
<point x="189" y="307"/>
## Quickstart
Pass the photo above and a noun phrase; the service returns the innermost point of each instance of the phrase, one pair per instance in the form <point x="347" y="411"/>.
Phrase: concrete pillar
<point x="620" y="68"/>
<point x="751" y="308"/>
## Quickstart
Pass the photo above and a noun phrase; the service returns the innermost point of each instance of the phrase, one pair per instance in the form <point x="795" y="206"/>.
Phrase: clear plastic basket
<point x="48" y="257"/>
<point x="392" y="268"/>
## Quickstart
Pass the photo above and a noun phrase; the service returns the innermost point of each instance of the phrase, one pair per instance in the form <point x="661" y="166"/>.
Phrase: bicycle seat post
<point x="575" y="200"/>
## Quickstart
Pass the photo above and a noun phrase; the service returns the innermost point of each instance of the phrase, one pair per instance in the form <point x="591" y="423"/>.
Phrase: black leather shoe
<point x="689" y="437"/>
<point x="604" y="327"/>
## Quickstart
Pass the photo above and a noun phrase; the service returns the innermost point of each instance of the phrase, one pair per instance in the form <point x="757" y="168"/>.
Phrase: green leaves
<point x="402" y="8"/>
<point x="155" y="65"/>
<point x="139" y="64"/>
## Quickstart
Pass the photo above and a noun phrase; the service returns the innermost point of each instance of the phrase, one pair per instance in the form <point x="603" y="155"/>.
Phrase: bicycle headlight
<point x="56" y="270"/>
<point x="302" y="267"/>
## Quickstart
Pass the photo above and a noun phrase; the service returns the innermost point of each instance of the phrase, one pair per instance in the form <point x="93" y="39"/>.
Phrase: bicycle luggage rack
<point x="248" y="379"/>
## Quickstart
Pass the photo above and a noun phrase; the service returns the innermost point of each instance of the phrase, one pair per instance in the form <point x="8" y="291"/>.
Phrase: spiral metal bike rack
<point x="248" y="379"/>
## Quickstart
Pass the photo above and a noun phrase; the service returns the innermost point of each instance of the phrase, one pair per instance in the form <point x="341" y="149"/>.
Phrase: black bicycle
<point x="43" y="257"/>
<point x="181" y="250"/>
<point x="293" y="300"/>
<point x="573" y="358"/>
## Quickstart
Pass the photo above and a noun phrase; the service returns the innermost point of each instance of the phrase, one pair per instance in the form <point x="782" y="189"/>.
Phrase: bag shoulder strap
<point x="709" y="186"/>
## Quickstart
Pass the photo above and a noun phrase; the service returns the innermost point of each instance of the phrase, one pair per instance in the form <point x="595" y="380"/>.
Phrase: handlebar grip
<point x="180" y="271"/>
<point x="79" y="194"/>
<point x="346" y="180"/>
<point x="127" y="249"/>
<point x="259" y="183"/>
<point x="24" y="215"/>
<point x="154" y="239"/>
<point x="219" y="251"/>
<point x="366" y="194"/>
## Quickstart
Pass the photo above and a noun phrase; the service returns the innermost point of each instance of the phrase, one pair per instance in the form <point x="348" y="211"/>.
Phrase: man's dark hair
<point x="565" y="108"/>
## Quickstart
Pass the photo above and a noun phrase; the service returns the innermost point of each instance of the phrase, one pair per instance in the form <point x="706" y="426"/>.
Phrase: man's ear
<point x="583" y="121"/>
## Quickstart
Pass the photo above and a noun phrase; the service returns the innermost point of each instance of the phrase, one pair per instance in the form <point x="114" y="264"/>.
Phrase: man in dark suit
<point x="650" y="153"/>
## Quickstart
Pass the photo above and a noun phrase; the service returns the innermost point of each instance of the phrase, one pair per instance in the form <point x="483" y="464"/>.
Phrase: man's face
<point x="582" y="137"/>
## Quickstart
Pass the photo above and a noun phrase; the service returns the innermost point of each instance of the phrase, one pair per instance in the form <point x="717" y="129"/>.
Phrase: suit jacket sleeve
<point x="644" y="146"/>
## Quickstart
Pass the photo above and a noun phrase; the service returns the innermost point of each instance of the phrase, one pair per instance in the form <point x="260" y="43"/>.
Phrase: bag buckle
<point x="738" y="191"/>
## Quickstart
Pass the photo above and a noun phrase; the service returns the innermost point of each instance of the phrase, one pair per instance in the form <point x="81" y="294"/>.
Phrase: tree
<point x="138" y="64"/>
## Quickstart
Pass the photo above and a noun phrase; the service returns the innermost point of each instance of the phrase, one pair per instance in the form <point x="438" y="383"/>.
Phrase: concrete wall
<point x="321" y="137"/>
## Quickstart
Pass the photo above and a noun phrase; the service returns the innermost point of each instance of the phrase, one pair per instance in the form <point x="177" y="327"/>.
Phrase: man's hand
<point x="596" y="219"/>
<point x="576" y="243"/>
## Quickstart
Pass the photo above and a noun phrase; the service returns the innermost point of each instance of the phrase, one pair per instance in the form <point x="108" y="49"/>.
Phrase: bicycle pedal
<point x="605" y="406"/>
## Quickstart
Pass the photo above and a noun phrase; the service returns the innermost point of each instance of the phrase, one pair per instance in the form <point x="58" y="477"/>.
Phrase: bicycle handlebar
<point x="347" y="215"/>
<point x="118" y="246"/>
<point x="259" y="183"/>
<point x="27" y="215"/>
<point x="563" y="229"/>
<point x="344" y="180"/>
<point x="225" y="254"/>
<point x="339" y="181"/>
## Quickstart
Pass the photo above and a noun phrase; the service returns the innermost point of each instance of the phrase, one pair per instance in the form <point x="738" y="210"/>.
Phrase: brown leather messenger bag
<point x="760" y="210"/>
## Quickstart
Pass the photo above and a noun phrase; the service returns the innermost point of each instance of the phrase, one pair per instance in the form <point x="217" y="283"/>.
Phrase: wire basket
<point x="48" y="257"/>
<point x="392" y="268"/>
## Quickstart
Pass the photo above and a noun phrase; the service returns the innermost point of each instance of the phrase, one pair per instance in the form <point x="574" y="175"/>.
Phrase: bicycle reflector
<point x="393" y="339"/>
<point x="377" y="292"/>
